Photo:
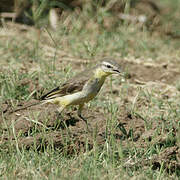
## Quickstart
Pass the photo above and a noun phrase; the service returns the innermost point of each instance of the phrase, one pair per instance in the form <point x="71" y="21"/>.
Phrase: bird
<point x="81" y="88"/>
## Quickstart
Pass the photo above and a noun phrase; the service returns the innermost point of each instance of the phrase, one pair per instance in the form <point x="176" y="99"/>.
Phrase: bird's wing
<point x="73" y="85"/>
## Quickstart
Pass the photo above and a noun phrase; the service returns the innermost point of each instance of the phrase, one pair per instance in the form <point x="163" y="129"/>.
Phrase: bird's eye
<point x="108" y="66"/>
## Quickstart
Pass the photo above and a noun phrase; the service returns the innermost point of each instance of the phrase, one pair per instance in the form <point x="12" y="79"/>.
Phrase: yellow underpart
<point x="65" y="102"/>
<point x="61" y="101"/>
<point x="71" y="99"/>
<point x="100" y="74"/>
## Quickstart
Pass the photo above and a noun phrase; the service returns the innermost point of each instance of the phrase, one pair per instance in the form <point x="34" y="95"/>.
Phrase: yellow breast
<point x="100" y="74"/>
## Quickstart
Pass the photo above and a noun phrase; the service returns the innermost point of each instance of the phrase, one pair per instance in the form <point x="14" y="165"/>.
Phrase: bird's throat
<point x="100" y="74"/>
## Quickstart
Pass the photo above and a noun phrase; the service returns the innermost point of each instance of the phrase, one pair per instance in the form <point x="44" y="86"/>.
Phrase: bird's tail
<point x="42" y="102"/>
<point x="22" y="108"/>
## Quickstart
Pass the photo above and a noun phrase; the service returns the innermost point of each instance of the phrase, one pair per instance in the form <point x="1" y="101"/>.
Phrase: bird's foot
<point x="85" y="120"/>
<point x="58" y="114"/>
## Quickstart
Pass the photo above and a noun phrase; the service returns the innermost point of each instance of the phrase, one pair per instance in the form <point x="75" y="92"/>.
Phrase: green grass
<point x="122" y="155"/>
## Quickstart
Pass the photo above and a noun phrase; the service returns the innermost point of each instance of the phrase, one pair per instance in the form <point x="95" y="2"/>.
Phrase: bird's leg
<point x="79" y="112"/>
<point x="81" y="117"/>
<point x="59" y="111"/>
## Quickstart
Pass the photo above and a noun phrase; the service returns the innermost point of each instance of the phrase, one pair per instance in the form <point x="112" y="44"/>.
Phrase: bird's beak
<point x="116" y="71"/>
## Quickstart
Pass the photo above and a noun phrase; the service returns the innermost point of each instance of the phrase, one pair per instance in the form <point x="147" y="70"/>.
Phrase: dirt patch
<point x="59" y="127"/>
<point x="139" y="72"/>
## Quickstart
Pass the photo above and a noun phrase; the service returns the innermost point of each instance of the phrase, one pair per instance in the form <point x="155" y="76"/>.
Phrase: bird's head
<point x="109" y="66"/>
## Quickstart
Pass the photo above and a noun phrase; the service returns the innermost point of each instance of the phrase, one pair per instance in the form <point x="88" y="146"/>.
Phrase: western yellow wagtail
<point x="81" y="88"/>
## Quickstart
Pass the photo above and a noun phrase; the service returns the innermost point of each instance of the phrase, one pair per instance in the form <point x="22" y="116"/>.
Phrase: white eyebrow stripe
<point x="107" y="63"/>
